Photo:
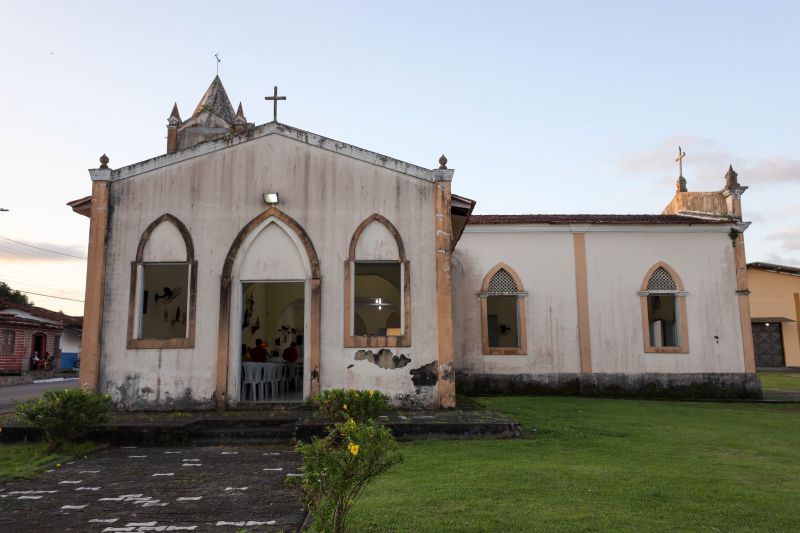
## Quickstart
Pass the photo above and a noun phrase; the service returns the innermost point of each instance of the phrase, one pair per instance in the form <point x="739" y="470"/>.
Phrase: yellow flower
<point x="353" y="448"/>
<point x="58" y="465"/>
<point x="371" y="392"/>
<point x="344" y="406"/>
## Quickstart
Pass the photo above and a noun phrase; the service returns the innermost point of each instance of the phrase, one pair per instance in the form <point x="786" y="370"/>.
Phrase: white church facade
<point x="267" y="263"/>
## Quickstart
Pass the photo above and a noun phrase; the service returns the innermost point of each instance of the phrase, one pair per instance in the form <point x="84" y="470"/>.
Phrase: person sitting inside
<point x="291" y="354"/>
<point x="259" y="352"/>
<point x="35" y="360"/>
<point x="276" y="352"/>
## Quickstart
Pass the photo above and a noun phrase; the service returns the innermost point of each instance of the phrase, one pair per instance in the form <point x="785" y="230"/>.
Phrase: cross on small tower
<point x="218" y="62"/>
<point x="679" y="160"/>
<point x="275" y="99"/>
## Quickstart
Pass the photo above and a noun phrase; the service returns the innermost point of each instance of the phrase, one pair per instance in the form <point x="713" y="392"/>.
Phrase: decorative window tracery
<point x="502" y="283"/>
<point x="663" y="303"/>
<point x="660" y="280"/>
<point x="503" y="312"/>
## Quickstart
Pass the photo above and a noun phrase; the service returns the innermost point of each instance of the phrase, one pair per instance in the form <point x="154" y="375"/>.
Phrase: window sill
<point x="667" y="350"/>
<point x="505" y="351"/>
<point x="377" y="341"/>
<point x="156" y="344"/>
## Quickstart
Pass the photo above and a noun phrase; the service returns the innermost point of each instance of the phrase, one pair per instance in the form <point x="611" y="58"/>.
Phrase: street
<point x="33" y="390"/>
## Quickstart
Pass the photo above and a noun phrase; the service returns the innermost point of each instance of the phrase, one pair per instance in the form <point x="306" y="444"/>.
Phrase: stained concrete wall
<point x="617" y="261"/>
<point x="215" y="195"/>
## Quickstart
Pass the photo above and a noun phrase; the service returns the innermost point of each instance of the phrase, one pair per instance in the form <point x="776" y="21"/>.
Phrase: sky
<point x="540" y="107"/>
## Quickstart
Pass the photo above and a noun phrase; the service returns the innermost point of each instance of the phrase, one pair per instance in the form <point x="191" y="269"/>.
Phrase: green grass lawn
<point x="27" y="460"/>
<point x="601" y="465"/>
<point x="788" y="381"/>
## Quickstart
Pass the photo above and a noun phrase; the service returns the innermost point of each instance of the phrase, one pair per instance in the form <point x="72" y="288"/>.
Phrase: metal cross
<point x="218" y="62"/>
<point x="679" y="160"/>
<point x="275" y="99"/>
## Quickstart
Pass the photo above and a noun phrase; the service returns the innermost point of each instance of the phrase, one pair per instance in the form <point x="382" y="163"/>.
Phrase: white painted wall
<point x="616" y="266"/>
<point x="617" y="261"/>
<point x="546" y="266"/>
<point x="215" y="195"/>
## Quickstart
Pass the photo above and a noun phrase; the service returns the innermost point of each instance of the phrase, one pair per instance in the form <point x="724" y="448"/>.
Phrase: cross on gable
<point x="275" y="99"/>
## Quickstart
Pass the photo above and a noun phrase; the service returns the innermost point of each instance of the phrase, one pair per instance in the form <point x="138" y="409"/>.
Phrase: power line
<point x="43" y="249"/>
<point x="14" y="281"/>
<point x="51" y="296"/>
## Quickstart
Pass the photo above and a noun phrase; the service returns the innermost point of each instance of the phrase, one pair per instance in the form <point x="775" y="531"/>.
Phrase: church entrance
<point x="273" y="341"/>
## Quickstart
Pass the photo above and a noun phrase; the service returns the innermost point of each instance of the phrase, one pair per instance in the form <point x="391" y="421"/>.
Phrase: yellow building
<point x="774" y="310"/>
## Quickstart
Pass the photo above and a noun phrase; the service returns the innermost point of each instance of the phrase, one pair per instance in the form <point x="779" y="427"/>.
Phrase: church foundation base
<point x="700" y="385"/>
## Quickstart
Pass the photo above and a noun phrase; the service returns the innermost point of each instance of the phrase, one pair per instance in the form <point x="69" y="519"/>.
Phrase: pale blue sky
<point x="568" y="107"/>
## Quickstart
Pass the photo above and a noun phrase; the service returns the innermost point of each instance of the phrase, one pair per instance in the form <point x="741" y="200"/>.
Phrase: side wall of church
<point x="215" y="195"/>
<point x="617" y="261"/>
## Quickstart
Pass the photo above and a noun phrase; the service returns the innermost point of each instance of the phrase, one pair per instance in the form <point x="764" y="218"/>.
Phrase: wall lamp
<point x="271" y="198"/>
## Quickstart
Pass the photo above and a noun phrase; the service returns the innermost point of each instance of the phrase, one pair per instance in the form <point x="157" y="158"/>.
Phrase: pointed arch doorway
<point x="272" y="264"/>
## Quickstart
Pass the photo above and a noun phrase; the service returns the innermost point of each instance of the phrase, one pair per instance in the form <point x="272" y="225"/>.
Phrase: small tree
<point x="338" y="466"/>
<point x="64" y="415"/>
<point x="341" y="405"/>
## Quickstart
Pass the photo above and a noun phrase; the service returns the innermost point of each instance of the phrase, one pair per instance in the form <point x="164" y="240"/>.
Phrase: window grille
<point x="502" y="283"/>
<point x="660" y="280"/>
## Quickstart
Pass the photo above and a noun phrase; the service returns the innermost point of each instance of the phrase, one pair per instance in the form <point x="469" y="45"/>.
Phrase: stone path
<point x="219" y="488"/>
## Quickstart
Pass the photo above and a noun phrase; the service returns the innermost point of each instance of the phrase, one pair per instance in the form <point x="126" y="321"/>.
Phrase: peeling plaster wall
<point x="215" y="195"/>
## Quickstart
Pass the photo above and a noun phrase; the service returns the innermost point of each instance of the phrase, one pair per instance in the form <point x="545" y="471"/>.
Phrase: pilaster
<point x="95" y="278"/>
<point x="444" y="285"/>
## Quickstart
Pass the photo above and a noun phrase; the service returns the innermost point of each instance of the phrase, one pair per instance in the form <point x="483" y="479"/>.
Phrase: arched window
<point x="503" y="313"/>
<point x="377" y="288"/>
<point x="161" y="311"/>
<point x="663" y="302"/>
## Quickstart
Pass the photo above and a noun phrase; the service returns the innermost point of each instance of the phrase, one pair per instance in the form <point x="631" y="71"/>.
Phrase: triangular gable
<point x="275" y="128"/>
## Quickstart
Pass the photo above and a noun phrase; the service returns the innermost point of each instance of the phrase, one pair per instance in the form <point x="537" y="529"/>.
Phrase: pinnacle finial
<point x="174" y="117"/>
<point x="104" y="161"/>
<point x="239" y="118"/>
<point x="443" y="163"/>
<point x="731" y="178"/>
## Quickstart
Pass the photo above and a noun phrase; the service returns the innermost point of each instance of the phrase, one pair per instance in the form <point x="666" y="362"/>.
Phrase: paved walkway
<point x="220" y="489"/>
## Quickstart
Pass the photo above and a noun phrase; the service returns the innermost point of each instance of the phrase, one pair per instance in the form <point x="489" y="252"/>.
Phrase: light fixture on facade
<point x="271" y="198"/>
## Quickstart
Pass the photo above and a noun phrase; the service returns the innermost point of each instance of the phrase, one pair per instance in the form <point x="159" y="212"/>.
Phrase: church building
<point x="255" y="264"/>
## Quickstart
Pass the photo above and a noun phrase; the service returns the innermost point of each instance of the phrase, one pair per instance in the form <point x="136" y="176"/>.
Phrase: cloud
<point x="11" y="250"/>
<point x="706" y="163"/>
<point x="788" y="237"/>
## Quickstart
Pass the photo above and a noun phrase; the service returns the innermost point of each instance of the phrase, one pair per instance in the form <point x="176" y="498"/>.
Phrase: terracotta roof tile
<point x="593" y="219"/>
<point x="47" y="314"/>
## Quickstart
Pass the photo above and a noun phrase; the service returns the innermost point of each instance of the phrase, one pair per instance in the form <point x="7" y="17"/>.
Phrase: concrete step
<point x="238" y="434"/>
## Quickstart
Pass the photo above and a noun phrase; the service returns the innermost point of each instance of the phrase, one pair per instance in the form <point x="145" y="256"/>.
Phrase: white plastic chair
<point x="295" y="375"/>
<point x="253" y="377"/>
<point x="273" y="378"/>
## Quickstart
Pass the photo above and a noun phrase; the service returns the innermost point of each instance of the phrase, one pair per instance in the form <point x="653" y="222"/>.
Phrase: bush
<point x="64" y="415"/>
<point x="341" y="404"/>
<point x="337" y="468"/>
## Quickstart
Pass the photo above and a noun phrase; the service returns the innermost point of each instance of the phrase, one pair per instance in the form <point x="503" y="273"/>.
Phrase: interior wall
<point x="504" y="308"/>
<point x="162" y="316"/>
<point x="371" y="286"/>
<point x="274" y="305"/>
